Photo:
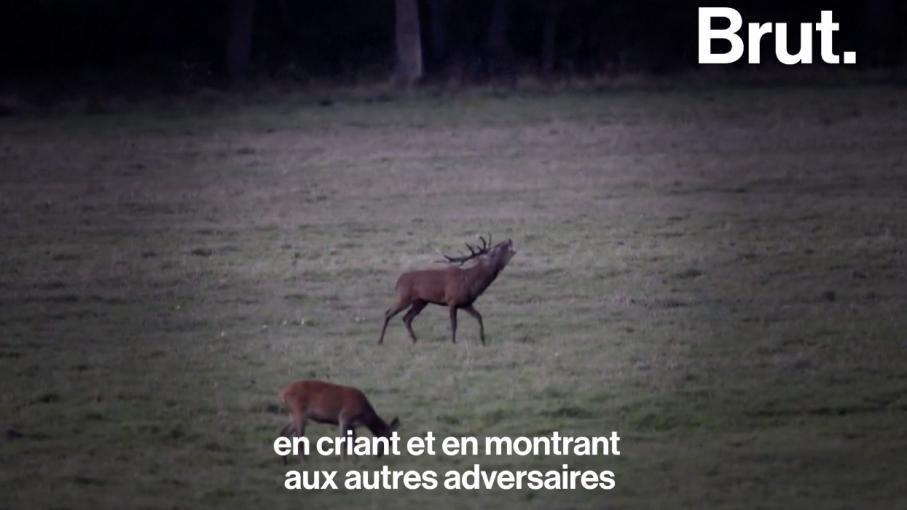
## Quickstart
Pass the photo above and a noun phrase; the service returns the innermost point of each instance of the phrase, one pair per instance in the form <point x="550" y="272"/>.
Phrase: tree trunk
<point x="409" y="43"/>
<point x="440" y="14"/>
<point x="239" y="37"/>
<point x="549" y="35"/>
<point x="881" y="15"/>
<point x="498" y="44"/>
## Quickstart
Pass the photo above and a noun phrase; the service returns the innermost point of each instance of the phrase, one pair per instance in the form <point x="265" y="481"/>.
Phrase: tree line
<point x="411" y="40"/>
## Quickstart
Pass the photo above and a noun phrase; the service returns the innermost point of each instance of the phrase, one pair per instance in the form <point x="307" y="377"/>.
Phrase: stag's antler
<point x="474" y="251"/>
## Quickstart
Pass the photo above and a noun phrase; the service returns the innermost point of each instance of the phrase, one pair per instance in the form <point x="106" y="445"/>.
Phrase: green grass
<point x="717" y="275"/>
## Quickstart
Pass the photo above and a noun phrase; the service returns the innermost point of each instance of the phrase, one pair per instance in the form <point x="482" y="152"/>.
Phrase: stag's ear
<point x="394" y="424"/>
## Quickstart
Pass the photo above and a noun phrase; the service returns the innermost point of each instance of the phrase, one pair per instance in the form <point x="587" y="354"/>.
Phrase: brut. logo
<point x="826" y="28"/>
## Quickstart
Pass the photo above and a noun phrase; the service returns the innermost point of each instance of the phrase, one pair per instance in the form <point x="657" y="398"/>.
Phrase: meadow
<point x="716" y="274"/>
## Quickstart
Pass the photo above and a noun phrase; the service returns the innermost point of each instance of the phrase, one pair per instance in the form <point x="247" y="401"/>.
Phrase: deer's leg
<point x="389" y="314"/>
<point x="453" y="322"/>
<point x="283" y="433"/>
<point x="296" y="428"/>
<point x="299" y="426"/>
<point x="411" y="314"/>
<point x="475" y="313"/>
<point x="300" y="431"/>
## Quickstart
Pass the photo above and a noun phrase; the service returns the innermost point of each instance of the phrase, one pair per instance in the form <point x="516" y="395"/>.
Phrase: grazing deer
<point x="324" y="402"/>
<point x="452" y="286"/>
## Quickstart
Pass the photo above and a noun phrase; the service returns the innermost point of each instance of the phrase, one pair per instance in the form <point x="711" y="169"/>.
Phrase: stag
<point x="455" y="286"/>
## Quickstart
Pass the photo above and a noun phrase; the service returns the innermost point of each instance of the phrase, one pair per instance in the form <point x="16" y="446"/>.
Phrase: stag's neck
<point x="482" y="274"/>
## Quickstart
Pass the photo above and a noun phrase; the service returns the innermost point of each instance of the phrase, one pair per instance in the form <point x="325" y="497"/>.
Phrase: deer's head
<point x="501" y="254"/>
<point x="497" y="256"/>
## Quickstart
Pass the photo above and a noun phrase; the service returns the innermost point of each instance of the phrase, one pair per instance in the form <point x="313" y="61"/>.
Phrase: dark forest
<point x="55" y="44"/>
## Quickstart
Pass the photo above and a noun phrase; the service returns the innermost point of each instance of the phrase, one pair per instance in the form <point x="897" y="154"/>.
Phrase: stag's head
<point x="498" y="255"/>
<point x="502" y="253"/>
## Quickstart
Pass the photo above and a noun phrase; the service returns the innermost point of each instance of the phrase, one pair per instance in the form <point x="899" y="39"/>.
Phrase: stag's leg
<point x="475" y="313"/>
<point x="411" y="314"/>
<point x="453" y="323"/>
<point x="389" y="314"/>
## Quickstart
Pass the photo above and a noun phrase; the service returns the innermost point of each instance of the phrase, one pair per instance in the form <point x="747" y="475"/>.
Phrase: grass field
<point x="718" y="275"/>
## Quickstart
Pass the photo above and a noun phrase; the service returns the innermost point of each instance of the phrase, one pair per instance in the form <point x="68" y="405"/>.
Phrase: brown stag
<point x="454" y="287"/>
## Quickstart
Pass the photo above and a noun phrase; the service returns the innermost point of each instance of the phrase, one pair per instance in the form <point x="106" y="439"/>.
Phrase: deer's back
<point x="323" y="401"/>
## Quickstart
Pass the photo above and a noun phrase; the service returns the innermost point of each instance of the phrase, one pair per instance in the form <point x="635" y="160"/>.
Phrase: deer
<point x="325" y="402"/>
<point x="453" y="286"/>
